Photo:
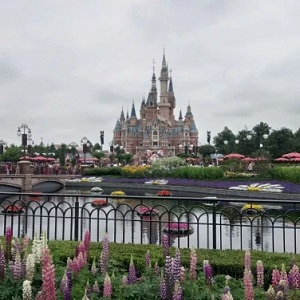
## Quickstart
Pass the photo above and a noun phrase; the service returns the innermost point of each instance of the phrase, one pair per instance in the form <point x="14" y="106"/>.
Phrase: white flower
<point x="27" y="292"/>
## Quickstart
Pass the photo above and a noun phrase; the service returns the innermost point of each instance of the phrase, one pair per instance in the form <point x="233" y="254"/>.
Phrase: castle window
<point x="155" y="135"/>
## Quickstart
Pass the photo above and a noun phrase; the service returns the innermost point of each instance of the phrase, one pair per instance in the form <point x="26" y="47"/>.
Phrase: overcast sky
<point x="68" y="67"/>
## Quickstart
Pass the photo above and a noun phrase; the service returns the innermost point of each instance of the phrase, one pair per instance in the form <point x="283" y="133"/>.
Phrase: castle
<point x="156" y="131"/>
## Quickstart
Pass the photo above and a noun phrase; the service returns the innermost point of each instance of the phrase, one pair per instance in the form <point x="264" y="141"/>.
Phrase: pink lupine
<point x="259" y="274"/>
<point x="87" y="241"/>
<point x="248" y="286"/>
<point x="104" y="255"/>
<point x="275" y="277"/>
<point x="107" y="287"/>
<point x="294" y="277"/>
<point x="193" y="265"/>
<point x="8" y="240"/>
<point x="247" y="260"/>
<point x="283" y="273"/>
<point x="96" y="288"/>
<point x="48" y="275"/>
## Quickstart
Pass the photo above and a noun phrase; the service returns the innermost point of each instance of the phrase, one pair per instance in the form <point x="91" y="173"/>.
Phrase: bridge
<point x="30" y="182"/>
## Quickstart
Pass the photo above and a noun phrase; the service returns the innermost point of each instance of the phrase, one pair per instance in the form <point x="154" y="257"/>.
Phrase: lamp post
<point x="101" y="139"/>
<point x="85" y="145"/>
<point x="227" y="142"/>
<point x="24" y="135"/>
<point x="259" y="143"/>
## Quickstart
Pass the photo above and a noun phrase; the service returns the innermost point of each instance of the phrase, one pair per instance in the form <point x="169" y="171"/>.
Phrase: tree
<point x="12" y="154"/>
<point x="225" y="135"/>
<point x="207" y="150"/>
<point x="280" y="142"/>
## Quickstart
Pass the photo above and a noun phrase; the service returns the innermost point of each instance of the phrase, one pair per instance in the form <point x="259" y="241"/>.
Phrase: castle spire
<point x="122" y="117"/>
<point x="133" y="114"/>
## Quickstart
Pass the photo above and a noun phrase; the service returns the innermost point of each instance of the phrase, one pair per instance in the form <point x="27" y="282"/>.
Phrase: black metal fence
<point x="223" y="223"/>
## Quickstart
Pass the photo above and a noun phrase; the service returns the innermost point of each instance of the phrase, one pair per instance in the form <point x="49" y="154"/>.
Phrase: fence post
<point x="214" y="224"/>
<point x="76" y="221"/>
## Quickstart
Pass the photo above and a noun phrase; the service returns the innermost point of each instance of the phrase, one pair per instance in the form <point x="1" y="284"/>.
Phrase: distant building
<point x="156" y="131"/>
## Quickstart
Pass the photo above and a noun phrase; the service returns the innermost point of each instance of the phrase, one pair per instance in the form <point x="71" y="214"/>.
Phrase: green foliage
<point x="12" y="154"/>
<point x="289" y="173"/>
<point x="103" y="171"/>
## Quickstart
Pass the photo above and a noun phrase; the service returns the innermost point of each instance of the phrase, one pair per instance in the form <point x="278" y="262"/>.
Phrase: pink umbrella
<point x="248" y="159"/>
<point x="25" y="158"/>
<point x="39" y="158"/>
<point x="234" y="155"/>
<point x="292" y="155"/>
<point x="281" y="159"/>
<point x="296" y="159"/>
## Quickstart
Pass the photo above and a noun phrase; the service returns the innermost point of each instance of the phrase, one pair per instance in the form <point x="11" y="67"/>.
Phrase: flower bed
<point x="164" y="193"/>
<point x="13" y="209"/>
<point x="178" y="228"/>
<point x="146" y="211"/>
<point x="256" y="187"/>
<point x="117" y="193"/>
<point x="99" y="203"/>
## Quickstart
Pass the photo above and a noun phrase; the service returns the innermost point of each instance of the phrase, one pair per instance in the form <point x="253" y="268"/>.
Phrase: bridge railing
<point x="223" y="223"/>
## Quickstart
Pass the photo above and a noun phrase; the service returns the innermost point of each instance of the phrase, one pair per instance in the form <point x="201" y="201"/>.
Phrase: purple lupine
<point x="69" y="276"/>
<point x="104" y="255"/>
<point x="177" y="294"/>
<point x="208" y="272"/>
<point x="294" y="277"/>
<point x="163" y="288"/>
<point x="131" y="274"/>
<point x="148" y="259"/>
<point x="2" y="263"/>
<point x="64" y="286"/>
<point x="177" y="265"/>
<point x="165" y="244"/>
<point x="275" y="277"/>
<point x="48" y="275"/>
<point x="193" y="264"/>
<point x="259" y="274"/>
<point x="17" y="268"/>
<point x="107" y="287"/>
<point x="168" y="271"/>
<point x="8" y="240"/>
<point x="96" y="288"/>
<point x="248" y="286"/>
<point x="247" y="260"/>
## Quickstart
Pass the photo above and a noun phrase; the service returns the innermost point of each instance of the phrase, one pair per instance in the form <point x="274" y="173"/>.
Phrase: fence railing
<point x="212" y="223"/>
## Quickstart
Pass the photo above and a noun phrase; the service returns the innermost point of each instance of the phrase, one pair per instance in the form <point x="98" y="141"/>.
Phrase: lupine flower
<point x="283" y="273"/>
<point x="107" y="287"/>
<point x="87" y="241"/>
<point x="275" y="277"/>
<point x="48" y="275"/>
<point x="294" y="277"/>
<point x="163" y="288"/>
<point x="282" y="287"/>
<point x="193" y="265"/>
<point x="37" y="245"/>
<point x="177" y="265"/>
<point x="227" y="295"/>
<point x="93" y="268"/>
<point x="27" y="292"/>
<point x="177" y="294"/>
<point x="208" y="272"/>
<point x="270" y="294"/>
<point x="156" y="269"/>
<point x="280" y="296"/>
<point x="64" y="286"/>
<point x="8" y="240"/>
<point x="131" y="274"/>
<point x="168" y="272"/>
<point x="165" y="244"/>
<point x="40" y="296"/>
<point x="124" y="280"/>
<point x="17" y="267"/>
<point x="104" y="255"/>
<point x="2" y="263"/>
<point x="148" y="259"/>
<point x="88" y="289"/>
<point x="247" y="260"/>
<point x="259" y="273"/>
<point x="96" y="288"/>
<point x="85" y="297"/>
<point x="248" y="286"/>
<point x="30" y="266"/>
<point x="182" y="274"/>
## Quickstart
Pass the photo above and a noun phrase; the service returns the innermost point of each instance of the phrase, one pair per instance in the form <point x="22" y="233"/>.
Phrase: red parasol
<point x="292" y="155"/>
<point x="39" y="158"/>
<point x="234" y="155"/>
<point x="25" y="158"/>
<point x="296" y="159"/>
<point x="248" y="159"/>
